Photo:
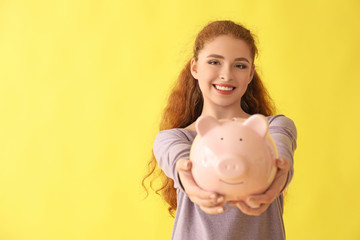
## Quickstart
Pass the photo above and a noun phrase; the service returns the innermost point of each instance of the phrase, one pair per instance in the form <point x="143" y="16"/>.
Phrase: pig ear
<point x="204" y="124"/>
<point x="258" y="123"/>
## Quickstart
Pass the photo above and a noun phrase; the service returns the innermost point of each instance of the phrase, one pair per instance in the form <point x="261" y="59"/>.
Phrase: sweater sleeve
<point x="284" y="133"/>
<point x="169" y="146"/>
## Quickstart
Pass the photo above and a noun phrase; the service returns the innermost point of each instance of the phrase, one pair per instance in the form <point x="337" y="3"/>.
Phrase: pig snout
<point x="231" y="168"/>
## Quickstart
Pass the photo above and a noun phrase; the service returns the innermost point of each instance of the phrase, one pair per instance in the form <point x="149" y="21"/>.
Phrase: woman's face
<point x="224" y="69"/>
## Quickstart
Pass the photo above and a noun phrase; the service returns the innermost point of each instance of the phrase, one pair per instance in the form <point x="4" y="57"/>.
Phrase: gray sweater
<point x="191" y="223"/>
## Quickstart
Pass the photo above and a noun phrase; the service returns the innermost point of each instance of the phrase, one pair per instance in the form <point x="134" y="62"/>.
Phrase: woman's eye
<point x="241" y="66"/>
<point x="213" y="62"/>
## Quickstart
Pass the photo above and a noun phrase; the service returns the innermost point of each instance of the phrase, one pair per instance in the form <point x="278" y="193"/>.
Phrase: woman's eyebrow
<point x="221" y="57"/>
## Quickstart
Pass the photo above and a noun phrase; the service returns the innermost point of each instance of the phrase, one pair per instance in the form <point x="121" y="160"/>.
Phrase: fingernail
<point x="241" y="204"/>
<point x="213" y="196"/>
<point x="220" y="199"/>
<point x="254" y="206"/>
<point x="220" y="210"/>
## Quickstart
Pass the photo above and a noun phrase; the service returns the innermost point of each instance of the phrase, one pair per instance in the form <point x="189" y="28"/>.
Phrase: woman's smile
<point x="224" y="88"/>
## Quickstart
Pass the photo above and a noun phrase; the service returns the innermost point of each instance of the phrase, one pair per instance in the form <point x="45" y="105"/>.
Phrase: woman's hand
<point x="209" y="202"/>
<point x="264" y="200"/>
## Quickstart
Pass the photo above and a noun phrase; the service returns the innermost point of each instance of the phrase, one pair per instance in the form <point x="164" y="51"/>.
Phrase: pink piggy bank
<point x="235" y="158"/>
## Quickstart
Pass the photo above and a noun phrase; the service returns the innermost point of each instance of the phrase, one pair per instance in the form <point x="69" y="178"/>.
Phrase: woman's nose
<point x="225" y="75"/>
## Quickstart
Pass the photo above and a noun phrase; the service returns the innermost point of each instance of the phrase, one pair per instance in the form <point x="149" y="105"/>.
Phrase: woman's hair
<point x="185" y="102"/>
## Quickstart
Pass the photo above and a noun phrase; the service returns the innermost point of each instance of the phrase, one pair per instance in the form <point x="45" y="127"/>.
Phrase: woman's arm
<point x="209" y="202"/>
<point x="172" y="150"/>
<point x="170" y="146"/>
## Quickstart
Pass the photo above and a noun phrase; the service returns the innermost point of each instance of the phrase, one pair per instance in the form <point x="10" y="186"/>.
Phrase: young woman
<point x="221" y="81"/>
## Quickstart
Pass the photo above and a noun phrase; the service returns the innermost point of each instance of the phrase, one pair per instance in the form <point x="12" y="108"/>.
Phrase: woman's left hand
<point x="264" y="200"/>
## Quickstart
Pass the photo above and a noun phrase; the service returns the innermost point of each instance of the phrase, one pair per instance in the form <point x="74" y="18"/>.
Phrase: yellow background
<point x="83" y="83"/>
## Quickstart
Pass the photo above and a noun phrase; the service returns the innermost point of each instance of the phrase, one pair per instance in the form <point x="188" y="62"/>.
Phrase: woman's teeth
<point x="223" y="88"/>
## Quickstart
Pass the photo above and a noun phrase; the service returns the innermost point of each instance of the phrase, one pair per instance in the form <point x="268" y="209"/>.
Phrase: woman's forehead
<point x="227" y="47"/>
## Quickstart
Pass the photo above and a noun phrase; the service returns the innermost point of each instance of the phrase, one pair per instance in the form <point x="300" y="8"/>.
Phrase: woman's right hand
<point x="209" y="202"/>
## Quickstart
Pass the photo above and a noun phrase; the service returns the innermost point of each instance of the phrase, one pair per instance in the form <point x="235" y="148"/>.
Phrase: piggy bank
<point x="235" y="157"/>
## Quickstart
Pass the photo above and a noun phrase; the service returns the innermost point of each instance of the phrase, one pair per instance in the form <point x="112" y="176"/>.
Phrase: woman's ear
<point x="193" y="68"/>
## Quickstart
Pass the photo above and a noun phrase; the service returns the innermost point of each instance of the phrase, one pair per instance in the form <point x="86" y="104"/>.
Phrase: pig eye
<point x="240" y="139"/>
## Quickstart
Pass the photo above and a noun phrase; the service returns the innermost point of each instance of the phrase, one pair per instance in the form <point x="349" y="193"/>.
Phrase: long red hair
<point x="185" y="102"/>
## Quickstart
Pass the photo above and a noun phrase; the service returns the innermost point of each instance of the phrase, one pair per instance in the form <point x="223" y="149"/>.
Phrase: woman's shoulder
<point x="280" y="119"/>
<point x="283" y="122"/>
